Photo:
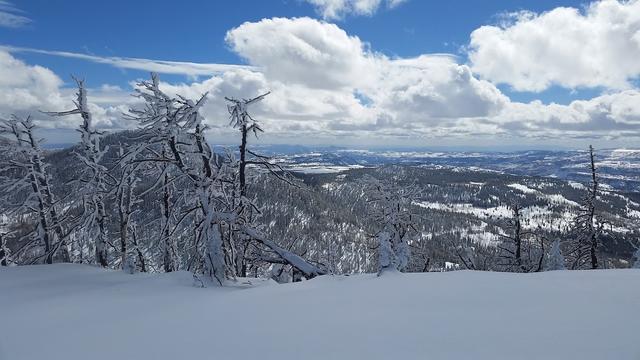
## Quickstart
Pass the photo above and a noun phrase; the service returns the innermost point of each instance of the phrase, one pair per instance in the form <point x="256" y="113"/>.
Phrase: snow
<point x="321" y="168"/>
<point x="525" y="189"/>
<point x="552" y="198"/>
<point x="79" y="312"/>
<point x="466" y="208"/>
<point x="577" y="185"/>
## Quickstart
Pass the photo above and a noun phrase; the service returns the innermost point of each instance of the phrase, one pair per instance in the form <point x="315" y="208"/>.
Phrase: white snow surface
<point x="80" y="312"/>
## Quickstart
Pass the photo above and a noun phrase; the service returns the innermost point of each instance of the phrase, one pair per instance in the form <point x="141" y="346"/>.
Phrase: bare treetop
<point x="239" y="114"/>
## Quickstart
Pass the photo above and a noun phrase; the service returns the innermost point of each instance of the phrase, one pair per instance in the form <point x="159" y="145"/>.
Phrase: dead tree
<point x="4" y="250"/>
<point x="126" y="200"/>
<point x="239" y="242"/>
<point x="584" y="246"/>
<point x="34" y="181"/>
<point x="517" y="252"/>
<point x="94" y="177"/>
<point x="169" y="246"/>
<point x="175" y="122"/>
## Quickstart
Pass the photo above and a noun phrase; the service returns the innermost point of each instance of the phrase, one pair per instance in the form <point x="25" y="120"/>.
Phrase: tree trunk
<point x="3" y="252"/>
<point x="243" y="161"/>
<point x="518" y="237"/>
<point x="592" y="211"/>
<point x="101" y="248"/>
<point x="167" y="259"/>
<point x="141" y="260"/>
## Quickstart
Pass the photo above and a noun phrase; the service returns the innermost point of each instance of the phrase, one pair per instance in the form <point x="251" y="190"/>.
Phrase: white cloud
<point x="615" y="114"/>
<point x="327" y="84"/>
<point x="30" y="89"/>
<point x="597" y="47"/>
<point x="12" y="17"/>
<point x="319" y="76"/>
<point x="158" y="66"/>
<point x="303" y="51"/>
<point x="436" y="87"/>
<point x="338" y="9"/>
<point x="24" y="87"/>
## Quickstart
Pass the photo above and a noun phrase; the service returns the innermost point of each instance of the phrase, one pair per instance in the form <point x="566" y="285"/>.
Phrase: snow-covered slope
<point x="80" y="312"/>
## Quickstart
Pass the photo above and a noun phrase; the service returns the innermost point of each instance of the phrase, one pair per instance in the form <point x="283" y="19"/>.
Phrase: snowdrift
<point x="82" y="312"/>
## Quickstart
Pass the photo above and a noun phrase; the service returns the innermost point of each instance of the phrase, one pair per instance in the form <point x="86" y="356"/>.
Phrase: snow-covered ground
<point x="80" y="312"/>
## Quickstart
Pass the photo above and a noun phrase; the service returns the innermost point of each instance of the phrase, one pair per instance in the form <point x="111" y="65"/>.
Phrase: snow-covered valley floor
<point x="80" y="312"/>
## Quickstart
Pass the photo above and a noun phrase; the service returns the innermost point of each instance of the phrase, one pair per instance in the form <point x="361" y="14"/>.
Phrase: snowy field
<point x="80" y="312"/>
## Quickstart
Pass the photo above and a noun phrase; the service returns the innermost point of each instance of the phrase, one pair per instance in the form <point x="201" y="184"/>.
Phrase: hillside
<point x="67" y="311"/>
<point x="462" y="200"/>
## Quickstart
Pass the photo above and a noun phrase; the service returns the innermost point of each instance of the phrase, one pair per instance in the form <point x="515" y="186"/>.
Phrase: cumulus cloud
<point x="303" y="51"/>
<point x="29" y="89"/>
<point x="338" y="9"/>
<point x="316" y="57"/>
<point x="596" y="47"/>
<point x="610" y="114"/>
<point x="24" y="87"/>
<point x="435" y="87"/>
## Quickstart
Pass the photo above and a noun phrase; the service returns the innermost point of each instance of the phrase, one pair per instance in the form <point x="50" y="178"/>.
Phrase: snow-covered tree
<point x="636" y="256"/>
<point x="4" y="250"/>
<point x="584" y="246"/>
<point x="518" y="252"/>
<point x="242" y="204"/>
<point x="242" y="120"/>
<point x="126" y="200"/>
<point x="25" y="175"/>
<point x="390" y="212"/>
<point x="555" y="260"/>
<point x="175" y="123"/>
<point x="94" y="178"/>
<point x="169" y="250"/>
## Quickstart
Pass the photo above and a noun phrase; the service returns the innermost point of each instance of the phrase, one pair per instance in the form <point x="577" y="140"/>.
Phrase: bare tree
<point x="4" y="250"/>
<point x="169" y="261"/>
<point x="241" y="119"/>
<point x="584" y="247"/>
<point x="126" y="200"/>
<point x="33" y="180"/>
<point x="94" y="177"/>
<point x="239" y="242"/>
<point x="175" y="123"/>
<point x="517" y="250"/>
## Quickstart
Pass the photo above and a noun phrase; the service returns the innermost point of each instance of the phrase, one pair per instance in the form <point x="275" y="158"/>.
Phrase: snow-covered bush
<point x="555" y="260"/>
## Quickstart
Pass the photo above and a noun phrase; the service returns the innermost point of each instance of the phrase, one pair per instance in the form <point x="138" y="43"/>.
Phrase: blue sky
<point x="195" y="31"/>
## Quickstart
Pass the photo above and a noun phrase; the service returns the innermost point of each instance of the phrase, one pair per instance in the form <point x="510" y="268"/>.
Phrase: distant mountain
<point x="619" y="168"/>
